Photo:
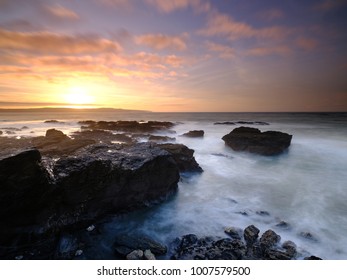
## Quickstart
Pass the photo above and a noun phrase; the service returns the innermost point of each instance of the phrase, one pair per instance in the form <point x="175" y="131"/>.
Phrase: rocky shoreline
<point x="62" y="185"/>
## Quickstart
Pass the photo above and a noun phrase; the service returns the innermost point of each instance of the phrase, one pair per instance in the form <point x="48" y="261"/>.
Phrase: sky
<point x="175" y="55"/>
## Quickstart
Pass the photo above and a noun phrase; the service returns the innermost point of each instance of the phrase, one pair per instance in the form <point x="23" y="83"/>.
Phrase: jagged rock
<point x="183" y="157"/>
<point x="56" y="135"/>
<point x="194" y="133"/>
<point x="251" y="234"/>
<point x="252" y="140"/>
<point x="135" y="255"/>
<point x="24" y="181"/>
<point x="81" y="188"/>
<point x="269" y="239"/>
<point x="124" y="244"/>
<point x="235" y="233"/>
<point x="128" y="126"/>
<point x="283" y="225"/>
<point x="290" y="248"/>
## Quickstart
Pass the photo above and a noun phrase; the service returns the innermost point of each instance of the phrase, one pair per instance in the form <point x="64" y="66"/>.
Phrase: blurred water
<point x="305" y="187"/>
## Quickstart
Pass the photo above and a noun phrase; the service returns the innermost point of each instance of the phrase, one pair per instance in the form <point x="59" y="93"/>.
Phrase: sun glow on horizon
<point x="79" y="96"/>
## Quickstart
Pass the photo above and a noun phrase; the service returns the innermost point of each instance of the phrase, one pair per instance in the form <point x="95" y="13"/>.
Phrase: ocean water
<point x="306" y="187"/>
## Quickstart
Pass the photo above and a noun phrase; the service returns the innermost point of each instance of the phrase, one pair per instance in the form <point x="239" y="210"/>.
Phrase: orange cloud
<point x="168" y="6"/>
<point x="161" y="41"/>
<point x="222" y="24"/>
<point x="47" y="42"/>
<point x="306" y="44"/>
<point x="61" y="12"/>
<point x="223" y="50"/>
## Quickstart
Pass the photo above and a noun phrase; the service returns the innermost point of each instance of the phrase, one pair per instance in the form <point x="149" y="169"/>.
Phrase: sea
<point x="305" y="187"/>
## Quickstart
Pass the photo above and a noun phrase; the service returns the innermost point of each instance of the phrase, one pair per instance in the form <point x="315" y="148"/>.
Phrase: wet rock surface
<point x="250" y="247"/>
<point x="252" y="140"/>
<point x="194" y="133"/>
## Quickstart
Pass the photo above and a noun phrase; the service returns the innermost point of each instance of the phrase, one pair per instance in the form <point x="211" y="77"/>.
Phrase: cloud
<point x="161" y="41"/>
<point x="223" y="24"/>
<point x="271" y="14"/>
<point x="61" y="12"/>
<point x="48" y="42"/>
<point x="306" y="44"/>
<point x="328" y="5"/>
<point x="223" y="50"/>
<point x="169" y="6"/>
<point x="123" y="4"/>
<point x="264" y="51"/>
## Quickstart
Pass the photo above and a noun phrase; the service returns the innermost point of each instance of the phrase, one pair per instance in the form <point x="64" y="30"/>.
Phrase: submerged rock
<point x="252" y="140"/>
<point x="125" y="244"/>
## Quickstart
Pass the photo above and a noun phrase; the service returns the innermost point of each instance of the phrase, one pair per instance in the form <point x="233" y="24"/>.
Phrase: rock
<point x="1" y="132"/>
<point x="24" y="181"/>
<point x="262" y="213"/>
<point x="128" y="126"/>
<point x="283" y="225"/>
<point x="157" y="138"/>
<point x="252" y="140"/>
<point x="79" y="189"/>
<point x="90" y="228"/>
<point x="183" y="157"/>
<point x="56" y="135"/>
<point x="190" y="247"/>
<point x="290" y="248"/>
<point x="194" y="133"/>
<point x="102" y="136"/>
<point x="224" y="123"/>
<point x="233" y="232"/>
<point x="149" y="255"/>
<point x="269" y="239"/>
<point x="251" y="234"/>
<point x="67" y="247"/>
<point x="312" y="258"/>
<point x="241" y="122"/>
<point x="52" y="121"/>
<point x="135" y="255"/>
<point x="309" y="236"/>
<point x="124" y="243"/>
<point x="78" y="253"/>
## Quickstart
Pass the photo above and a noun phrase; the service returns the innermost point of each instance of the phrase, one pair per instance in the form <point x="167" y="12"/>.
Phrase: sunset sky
<point x="174" y="55"/>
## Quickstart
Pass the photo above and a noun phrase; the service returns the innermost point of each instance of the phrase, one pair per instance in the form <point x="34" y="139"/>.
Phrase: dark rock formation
<point x="125" y="244"/>
<point x="102" y="136"/>
<point x="158" y="138"/>
<point x="52" y="121"/>
<point x="76" y="190"/>
<point x="183" y="157"/>
<point x="194" y="133"/>
<point x="190" y="247"/>
<point x="254" y="141"/>
<point x="127" y="126"/>
<point x="241" y="122"/>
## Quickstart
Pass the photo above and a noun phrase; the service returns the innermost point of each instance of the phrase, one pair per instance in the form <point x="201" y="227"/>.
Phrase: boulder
<point x="252" y="140"/>
<point x="76" y="190"/>
<point x="251" y="234"/>
<point x="183" y="157"/>
<point x="194" y="133"/>
<point x="55" y="135"/>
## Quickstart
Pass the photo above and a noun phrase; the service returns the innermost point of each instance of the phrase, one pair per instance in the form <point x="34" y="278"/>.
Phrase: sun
<point x="79" y="96"/>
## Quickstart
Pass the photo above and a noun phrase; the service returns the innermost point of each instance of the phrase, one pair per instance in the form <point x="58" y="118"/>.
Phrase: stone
<point x="135" y="255"/>
<point x="251" y="234"/>
<point x="138" y="242"/>
<point x="269" y="239"/>
<point x="56" y="135"/>
<point x="290" y="248"/>
<point x="312" y="258"/>
<point x="148" y="255"/>
<point x="194" y="133"/>
<point x="183" y="157"/>
<point x="235" y="233"/>
<point x="252" y="140"/>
